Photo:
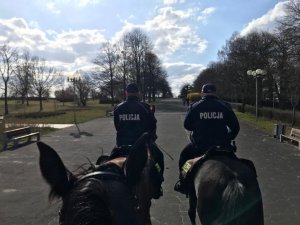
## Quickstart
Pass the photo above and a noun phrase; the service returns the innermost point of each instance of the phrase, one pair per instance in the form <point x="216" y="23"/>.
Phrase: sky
<point x="186" y="34"/>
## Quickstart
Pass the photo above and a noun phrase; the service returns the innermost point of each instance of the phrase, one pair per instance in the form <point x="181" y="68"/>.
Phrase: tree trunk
<point x="294" y="116"/>
<point x="112" y="90"/>
<point x="41" y="102"/>
<point x="5" y="99"/>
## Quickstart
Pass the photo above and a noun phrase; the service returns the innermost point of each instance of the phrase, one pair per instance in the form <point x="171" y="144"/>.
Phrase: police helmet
<point x="132" y="88"/>
<point x="209" y="88"/>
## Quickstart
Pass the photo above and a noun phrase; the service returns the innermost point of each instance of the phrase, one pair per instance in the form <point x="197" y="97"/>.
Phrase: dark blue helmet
<point x="209" y="88"/>
<point x="132" y="88"/>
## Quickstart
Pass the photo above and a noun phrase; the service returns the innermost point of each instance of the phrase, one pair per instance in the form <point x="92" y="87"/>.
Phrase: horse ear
<point x="53" y="170"/>
<point x="136" y="160"/>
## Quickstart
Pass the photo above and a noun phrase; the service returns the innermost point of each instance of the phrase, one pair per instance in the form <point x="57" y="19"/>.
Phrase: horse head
<point x="148" y="184"/>
<point x="98" y="197"/>
<point x="118" y="191"/>
<point x="144" y="185"/>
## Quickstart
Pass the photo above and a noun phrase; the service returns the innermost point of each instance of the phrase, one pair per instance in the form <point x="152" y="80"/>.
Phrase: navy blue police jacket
<point x="131" y="119"/>
<point x="209" y="120"/>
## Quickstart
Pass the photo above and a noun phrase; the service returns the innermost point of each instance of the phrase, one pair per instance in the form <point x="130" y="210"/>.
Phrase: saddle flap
<point x="192" y="165"/>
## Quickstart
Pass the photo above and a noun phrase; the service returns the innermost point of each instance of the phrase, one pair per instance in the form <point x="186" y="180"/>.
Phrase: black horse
<point x="225" y="191"/>
<point x="117" y="192"/>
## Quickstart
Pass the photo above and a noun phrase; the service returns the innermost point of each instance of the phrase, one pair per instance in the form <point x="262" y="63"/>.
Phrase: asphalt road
<point x="23" y="193"/>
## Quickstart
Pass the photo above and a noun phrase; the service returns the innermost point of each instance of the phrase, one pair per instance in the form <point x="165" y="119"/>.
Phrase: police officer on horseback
<point x="212" y="123"/>
<point x="132" y="118"/>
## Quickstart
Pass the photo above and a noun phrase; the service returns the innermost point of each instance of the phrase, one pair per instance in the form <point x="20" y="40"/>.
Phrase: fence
<point x="270" y="113"/>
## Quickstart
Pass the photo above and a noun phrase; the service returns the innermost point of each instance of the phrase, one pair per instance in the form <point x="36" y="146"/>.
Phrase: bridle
<point x="102" y="175"/>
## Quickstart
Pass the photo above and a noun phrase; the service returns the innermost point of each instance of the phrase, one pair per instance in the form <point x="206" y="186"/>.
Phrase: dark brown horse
<point x="117" y="192"/>
<point x="225" y="191"/>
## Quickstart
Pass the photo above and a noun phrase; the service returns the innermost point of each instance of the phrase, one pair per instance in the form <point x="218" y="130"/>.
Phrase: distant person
<point x="187" y="101"/>
<point x="132" y="118"/>
<point x="212" y="123"/>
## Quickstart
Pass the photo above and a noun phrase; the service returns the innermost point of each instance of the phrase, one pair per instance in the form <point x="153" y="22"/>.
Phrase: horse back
<point x="227" y="192"/>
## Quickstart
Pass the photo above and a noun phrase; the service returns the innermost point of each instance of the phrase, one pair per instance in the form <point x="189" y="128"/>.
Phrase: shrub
<point x="266" y="112"/>
<point x="284" y="116"/>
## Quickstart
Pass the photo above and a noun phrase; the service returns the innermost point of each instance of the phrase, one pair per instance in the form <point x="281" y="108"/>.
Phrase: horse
<point x="118" y="191"/>
<point x="224" y="191"/>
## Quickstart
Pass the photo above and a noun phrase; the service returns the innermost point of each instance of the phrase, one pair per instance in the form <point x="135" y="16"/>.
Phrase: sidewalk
<point x="57" y="126"/>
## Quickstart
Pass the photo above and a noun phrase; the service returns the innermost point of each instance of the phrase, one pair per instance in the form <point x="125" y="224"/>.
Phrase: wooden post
<point x="2" y="128"/>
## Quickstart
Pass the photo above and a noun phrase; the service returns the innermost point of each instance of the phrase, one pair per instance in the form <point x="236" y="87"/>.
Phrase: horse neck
<point x="144" y="192"/>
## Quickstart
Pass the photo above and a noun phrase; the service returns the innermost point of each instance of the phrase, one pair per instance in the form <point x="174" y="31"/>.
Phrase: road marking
<point x="9" y="190"/>
<point x="17" y="162"/>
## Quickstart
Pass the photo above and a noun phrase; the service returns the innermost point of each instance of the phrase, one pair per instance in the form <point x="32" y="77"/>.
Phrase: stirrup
<point x="158" y="194"/>
<point x="181" y="187"/>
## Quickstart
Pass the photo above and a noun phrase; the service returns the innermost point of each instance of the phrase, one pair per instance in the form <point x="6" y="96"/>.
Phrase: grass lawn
<point x="22" y="114"/>
<point x="54" y="112"/>
<point x="64" y="114"/>
<point x="261" y="123"/>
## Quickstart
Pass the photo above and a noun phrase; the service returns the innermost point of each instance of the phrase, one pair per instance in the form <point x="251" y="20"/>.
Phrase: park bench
<point x="294" y="136"/>
<point x="110" y="112"/>
<point x="18" y="134"/>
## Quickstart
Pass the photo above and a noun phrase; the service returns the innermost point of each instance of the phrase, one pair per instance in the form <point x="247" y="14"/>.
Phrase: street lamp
<point x="74" y="80"/>
<point x="256" y="73"/>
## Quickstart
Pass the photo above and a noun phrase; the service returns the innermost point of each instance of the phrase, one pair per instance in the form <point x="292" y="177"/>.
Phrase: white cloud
<point x="181" y="73"/>
<point x="268" y="21"/>
<point x="51" y="6"/>
<point x="83" y="3"/>
<point x="171" y="2"/>
<point x="56" y="6"/>
<point x="169" y="31"/>
<point x="69" y="50"/>
<point x="205" y="13"/>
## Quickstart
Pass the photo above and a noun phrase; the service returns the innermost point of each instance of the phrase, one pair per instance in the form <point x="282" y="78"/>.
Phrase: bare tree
<point x="162" y="85"/>
<point x="44" y="77"/>
<point x="22" y="81"/>
<point x="127" y="62"/>
<point x="84" y="87"/>
<point x="107" y="60"/>
<point x="289" y="45"/>
<point x="290" y="24"/>
<point x="124" y="65"/>
<point x="8" y="65"/>
<point x="294" y="91"/>
<point x="137" y="44"/>
<point x="153" y="73"/>
<point x="242" y="53"/>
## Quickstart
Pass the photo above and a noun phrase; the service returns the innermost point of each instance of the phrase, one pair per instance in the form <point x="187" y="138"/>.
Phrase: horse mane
<point x="87" y="196"/>
<point x="84" y="199"/>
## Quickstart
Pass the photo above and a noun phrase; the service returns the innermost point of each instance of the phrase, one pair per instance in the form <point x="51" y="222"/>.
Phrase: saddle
<point x="191" y="166"/>
<point x="113" y="162"/>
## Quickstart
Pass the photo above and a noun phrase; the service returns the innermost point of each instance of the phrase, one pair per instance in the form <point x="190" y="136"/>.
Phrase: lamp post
<point x="74" y="80"/>
<point x="256" y="73"/>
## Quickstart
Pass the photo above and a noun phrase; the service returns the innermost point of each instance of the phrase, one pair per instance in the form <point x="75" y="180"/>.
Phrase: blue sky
<point x="186" y="34"/>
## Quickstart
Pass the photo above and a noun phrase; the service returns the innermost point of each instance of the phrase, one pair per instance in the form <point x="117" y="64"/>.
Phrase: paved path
<point x="23" y="193"/>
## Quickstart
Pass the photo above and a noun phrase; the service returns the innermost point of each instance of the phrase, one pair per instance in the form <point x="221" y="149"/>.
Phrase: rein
<point x="103" y="175"/>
